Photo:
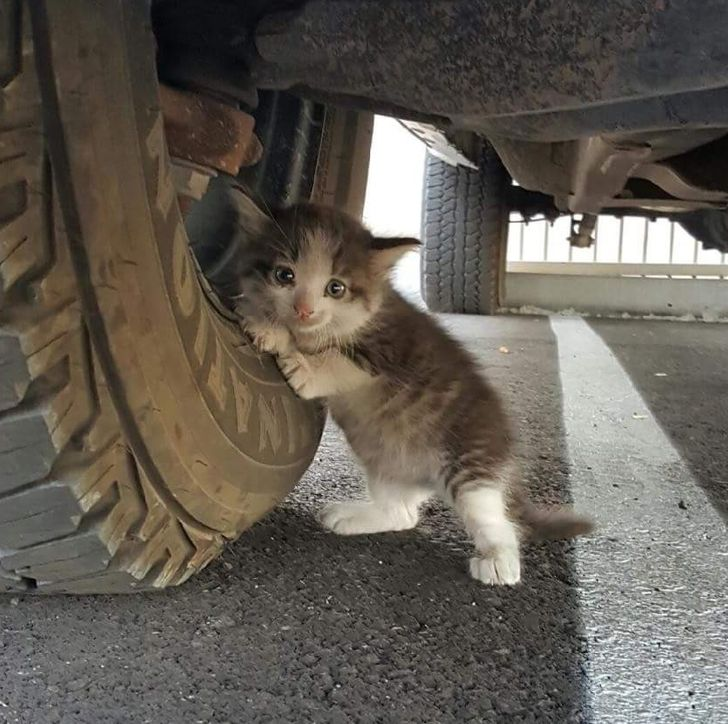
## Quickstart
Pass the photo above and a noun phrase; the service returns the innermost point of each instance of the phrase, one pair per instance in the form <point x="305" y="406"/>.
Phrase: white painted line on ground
<point x="654" y="578"/>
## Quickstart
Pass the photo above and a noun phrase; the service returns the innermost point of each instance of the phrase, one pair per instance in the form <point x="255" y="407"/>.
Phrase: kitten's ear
<point x="387" y="251"/>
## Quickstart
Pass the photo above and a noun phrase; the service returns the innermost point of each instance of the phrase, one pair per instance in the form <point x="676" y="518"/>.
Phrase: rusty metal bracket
<point x="600" y="171"/>
<point x="438" y="143"/>
<point x="205" y="132"/>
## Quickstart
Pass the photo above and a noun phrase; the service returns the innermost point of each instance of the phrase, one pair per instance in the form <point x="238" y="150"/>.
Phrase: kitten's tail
<point x="552" y="523"/>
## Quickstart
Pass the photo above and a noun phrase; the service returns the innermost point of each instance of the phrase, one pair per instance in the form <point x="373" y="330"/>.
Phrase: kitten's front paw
<point x="298" y="374"/>
<point x="501" y="568"/>
<point x="266" y="338"/>
<point x="344" y="518"/>
<point x="360" y="518"/>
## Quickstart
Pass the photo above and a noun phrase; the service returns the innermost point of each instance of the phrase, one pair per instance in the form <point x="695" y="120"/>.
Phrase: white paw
<point x="501" y="568"/>
<point x="353" y="518"/>
<point x="267" y="338"/>
<point x="298" y="374"/>
<point x="347" y="518"/>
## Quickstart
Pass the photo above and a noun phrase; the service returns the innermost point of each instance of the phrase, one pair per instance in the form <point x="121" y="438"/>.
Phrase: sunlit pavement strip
<point x="654" y="578"/>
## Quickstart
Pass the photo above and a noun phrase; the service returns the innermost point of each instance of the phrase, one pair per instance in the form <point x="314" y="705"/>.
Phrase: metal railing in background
<point x="634" y="265"/>
<point x="622" y="247"/>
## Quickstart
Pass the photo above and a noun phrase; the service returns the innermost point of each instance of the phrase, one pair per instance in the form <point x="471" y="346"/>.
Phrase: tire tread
<point x="463" y="234"/>
<point x="76" y="513"/>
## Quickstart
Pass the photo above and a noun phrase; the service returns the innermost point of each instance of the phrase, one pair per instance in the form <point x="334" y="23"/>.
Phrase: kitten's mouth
<point x="308" y="325"/>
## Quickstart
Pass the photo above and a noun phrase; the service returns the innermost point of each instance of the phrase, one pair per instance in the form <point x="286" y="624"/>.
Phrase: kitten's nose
<point x="303" y="310"/>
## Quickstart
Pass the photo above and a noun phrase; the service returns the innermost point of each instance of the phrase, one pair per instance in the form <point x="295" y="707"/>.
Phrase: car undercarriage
<point x="618" y="107"/>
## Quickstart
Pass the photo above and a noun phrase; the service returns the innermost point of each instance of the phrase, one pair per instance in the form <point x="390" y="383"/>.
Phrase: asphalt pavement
<point x="629" y="419"/>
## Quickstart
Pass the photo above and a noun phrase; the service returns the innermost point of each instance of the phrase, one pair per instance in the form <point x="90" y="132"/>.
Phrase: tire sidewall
<point x="212" y="424"/>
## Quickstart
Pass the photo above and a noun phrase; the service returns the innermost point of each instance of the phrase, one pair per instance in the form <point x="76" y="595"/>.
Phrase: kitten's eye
<point x="336" y="289"/>
<point x="284" y="275"/>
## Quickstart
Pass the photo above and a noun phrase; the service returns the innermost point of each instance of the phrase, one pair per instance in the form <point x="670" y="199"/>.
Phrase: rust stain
<point x="207" y="132"/>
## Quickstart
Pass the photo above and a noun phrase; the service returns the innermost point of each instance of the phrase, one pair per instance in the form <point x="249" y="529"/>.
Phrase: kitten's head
<point x="316" y="270"/>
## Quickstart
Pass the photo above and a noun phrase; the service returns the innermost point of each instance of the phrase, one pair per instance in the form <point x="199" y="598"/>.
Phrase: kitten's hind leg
<point x="483" y="510"/>
<point x="392" y="506"/>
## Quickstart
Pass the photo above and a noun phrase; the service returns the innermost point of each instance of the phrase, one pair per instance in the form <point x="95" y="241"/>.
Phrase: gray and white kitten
<point x="315" y="291"/>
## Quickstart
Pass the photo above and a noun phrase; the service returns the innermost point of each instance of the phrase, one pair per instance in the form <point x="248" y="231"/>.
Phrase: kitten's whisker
<point x="269" y="214"/>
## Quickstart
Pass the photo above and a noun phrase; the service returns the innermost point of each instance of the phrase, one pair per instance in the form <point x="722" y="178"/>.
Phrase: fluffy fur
<point x="414" y="407"/>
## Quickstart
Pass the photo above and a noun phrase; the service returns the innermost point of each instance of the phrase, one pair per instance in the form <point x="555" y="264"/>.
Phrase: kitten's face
<point x="321" y="274"/>
<point x="311" y="293"/>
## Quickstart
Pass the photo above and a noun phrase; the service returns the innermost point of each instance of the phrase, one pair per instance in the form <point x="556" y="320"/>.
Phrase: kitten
<point x="413" y="406"/>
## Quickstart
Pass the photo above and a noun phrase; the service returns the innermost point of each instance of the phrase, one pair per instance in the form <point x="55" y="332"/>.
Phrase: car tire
<point x="139" y="431"/>
<point x="464" y="233"/>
